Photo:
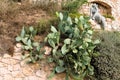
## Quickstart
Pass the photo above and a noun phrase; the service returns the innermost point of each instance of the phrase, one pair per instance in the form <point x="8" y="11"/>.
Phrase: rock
<point x="19" y="45"/>
<point x="47" y="50"/>
<point x="18" y="48"/>
<point x="19" y="3"/>
<point x="41" y="73"/>
<point x="7" y="56"/>
<point x="97" y="27"/>
<point x="109" y="28"/>
<point x="27" y="71"/>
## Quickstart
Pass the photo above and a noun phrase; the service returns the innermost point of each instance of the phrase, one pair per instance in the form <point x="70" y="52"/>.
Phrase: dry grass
<point x="7" y="6"/>
<point x="51" y="6"/>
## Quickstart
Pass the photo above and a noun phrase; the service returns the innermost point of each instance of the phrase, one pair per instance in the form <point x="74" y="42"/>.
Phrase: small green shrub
<point x="107" y="65"/>
<point x="28" y="44"/>
<point x="43" y="25"/>
<point x="73" y="47"/>
<point x="72" y="6"/>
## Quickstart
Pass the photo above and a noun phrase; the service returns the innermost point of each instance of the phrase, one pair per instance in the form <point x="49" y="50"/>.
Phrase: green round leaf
<point x="90" y="32"/>
<point x="50" y="60"/>
<point x="67" y="41"/>
<point x="26" y="47"/>
<point x="53" y="29"/>
<point x="51" y="42"/>
<point x="96" y="41"/>
<point x="88" y="40"/>
<point x="69" y="20"/>
<point x="18" y="38"/>
<point x="22" y="32"/>
<point x="64" y="49"/>
<point x="61" y="16"/>
<point x="75" y="51"/>
<point x="31" y="29"/>
<point x="57" y="14"/>
<point x="35" y="44"/>
<point x="59" y="69"/>
<point x="24" y="40"/>
<point x="61" y="62"/>
<point x="29" y="43"/>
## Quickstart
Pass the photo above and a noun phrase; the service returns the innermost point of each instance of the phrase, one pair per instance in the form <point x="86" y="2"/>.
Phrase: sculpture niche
<point x="96" y="16"/>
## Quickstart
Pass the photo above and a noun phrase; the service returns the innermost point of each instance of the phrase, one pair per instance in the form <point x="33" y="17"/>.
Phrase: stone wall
<point x="110" y="7"/>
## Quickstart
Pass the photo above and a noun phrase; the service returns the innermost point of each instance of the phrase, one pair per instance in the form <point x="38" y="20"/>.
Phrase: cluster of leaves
<point x="72" y="6"/>
<point x="28" y="44"/>
<point x="73" y="47"/>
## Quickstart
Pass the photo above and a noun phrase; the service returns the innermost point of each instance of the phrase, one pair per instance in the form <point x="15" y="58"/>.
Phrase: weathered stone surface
<point x="7" y="56"/>
<point x="33" y="78"/>
<point x="18" y="48"/>
<point x="13" y="61"/>
<point x="17" y="57"/>
<point x="2" y="64"/>
<point x="8" y="77"/>
<point x="41" y="73"/>
<point x="18" y="78"/>
<point x="1" y="78"/>
<point x="6" y="60"/>
<point x="4" y="71"/>
<point x="17" y="74"/>
<point x="27" y="71"/>
<point x="10" y="68"/>
<point x="35" y="66"/>
<point x="24" y="62"/>
<point x="16" y="67"/>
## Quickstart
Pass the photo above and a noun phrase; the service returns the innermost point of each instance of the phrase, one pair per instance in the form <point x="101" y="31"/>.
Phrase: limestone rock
<point x="41" y="73"/>
<point x="18" y="48"/>
<point x="47" y="50"/>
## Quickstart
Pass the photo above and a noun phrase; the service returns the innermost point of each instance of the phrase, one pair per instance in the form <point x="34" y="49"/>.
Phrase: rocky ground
<point x="15" y="68"/>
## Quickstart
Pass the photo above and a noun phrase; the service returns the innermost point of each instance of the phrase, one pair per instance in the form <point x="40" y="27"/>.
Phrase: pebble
<point x="47" y="50"/>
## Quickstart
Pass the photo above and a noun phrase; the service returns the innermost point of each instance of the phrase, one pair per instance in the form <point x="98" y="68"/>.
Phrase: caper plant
<point x="72" y="46"/>
<point x="28" y="44"/>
